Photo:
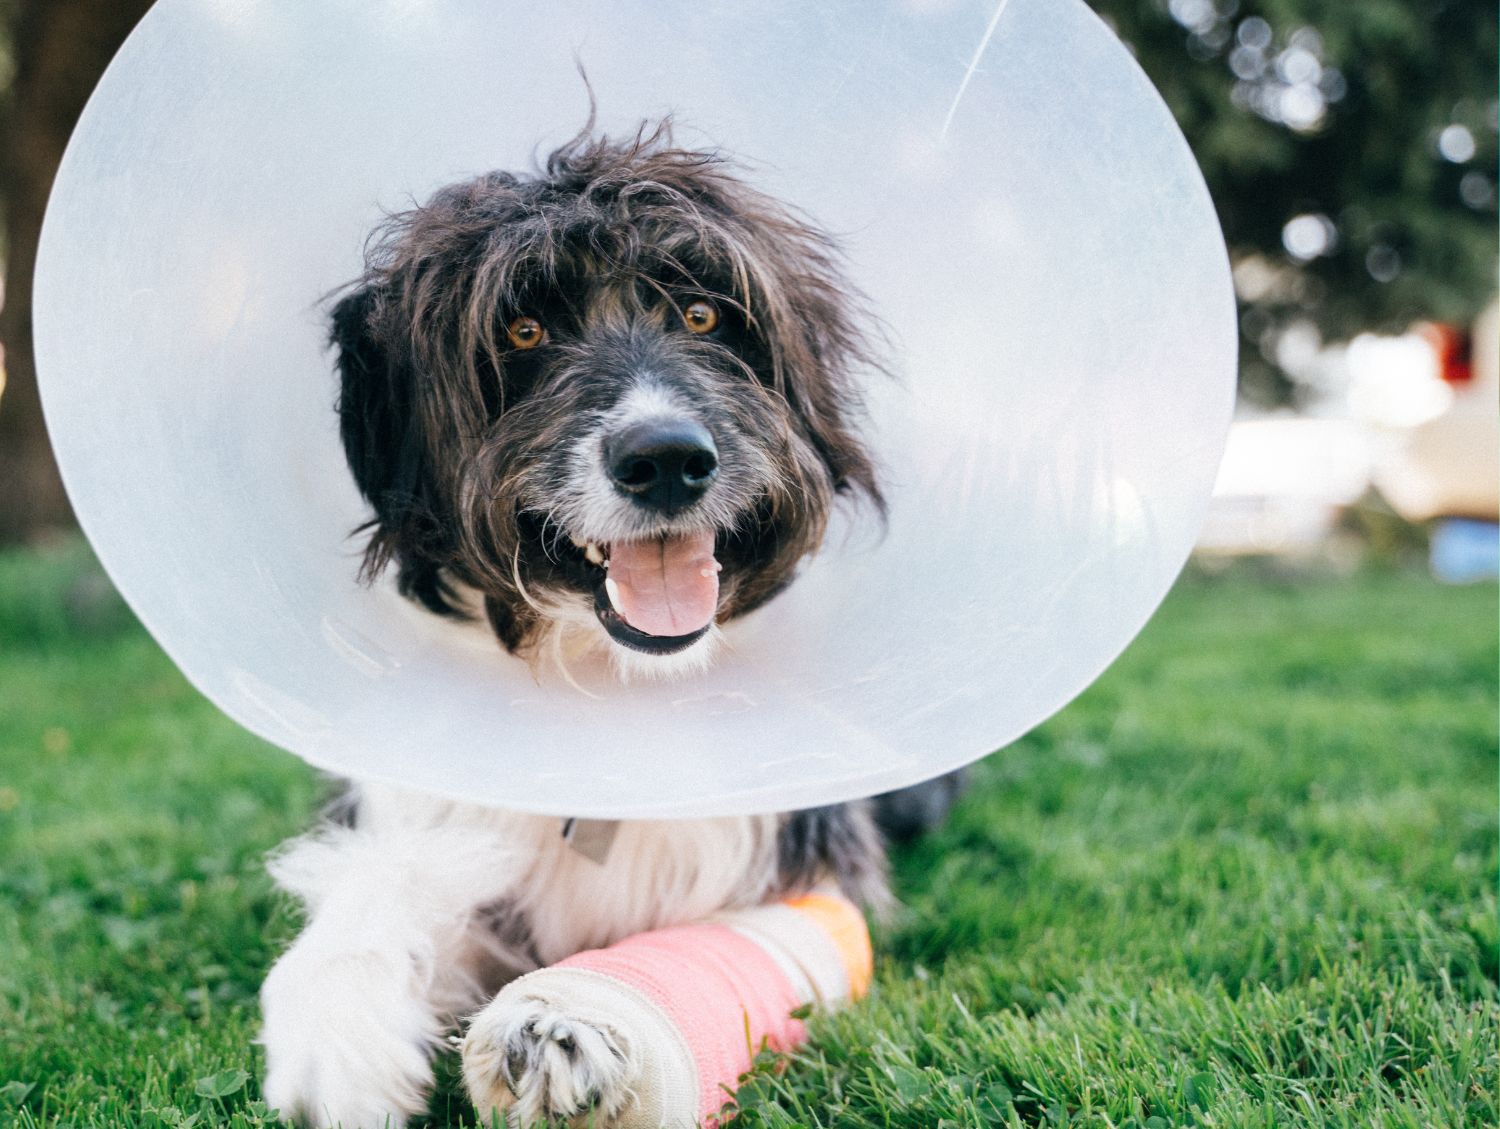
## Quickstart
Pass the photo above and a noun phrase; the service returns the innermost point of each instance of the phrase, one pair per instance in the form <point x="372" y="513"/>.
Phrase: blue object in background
<point x="1465" y="551"/>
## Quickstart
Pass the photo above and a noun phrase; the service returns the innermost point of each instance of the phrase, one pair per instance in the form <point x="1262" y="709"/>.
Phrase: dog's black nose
<point x="664" y="464"/>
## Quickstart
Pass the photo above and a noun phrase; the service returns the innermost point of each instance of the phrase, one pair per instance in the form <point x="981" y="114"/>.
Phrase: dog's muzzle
<point x="659" y="595"/>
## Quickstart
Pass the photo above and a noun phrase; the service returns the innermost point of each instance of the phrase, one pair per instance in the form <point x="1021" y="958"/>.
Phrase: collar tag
<point x="591" y="838"/>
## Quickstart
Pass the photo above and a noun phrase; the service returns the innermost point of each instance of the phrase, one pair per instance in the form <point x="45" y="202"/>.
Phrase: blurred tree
<point x="1350" y="146"/>
<point x="55" y="51"/>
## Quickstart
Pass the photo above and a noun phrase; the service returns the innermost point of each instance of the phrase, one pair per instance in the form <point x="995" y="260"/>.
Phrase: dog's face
<point x="619" y="393"/>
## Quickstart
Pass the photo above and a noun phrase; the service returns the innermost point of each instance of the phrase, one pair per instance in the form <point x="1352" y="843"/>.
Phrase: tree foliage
<point x="1350" y="148"/>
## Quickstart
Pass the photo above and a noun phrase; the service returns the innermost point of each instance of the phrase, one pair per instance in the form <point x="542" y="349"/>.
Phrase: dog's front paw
<point x="535" y="1060"/>
<point x="346" y="1046"/>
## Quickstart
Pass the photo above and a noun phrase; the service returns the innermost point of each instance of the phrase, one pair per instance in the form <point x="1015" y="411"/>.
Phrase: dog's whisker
<point x="550" y="548"/>
<point x="521" y="589"/>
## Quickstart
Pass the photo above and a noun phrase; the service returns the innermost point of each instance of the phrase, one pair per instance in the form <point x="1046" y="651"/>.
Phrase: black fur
<point x="909" y="813"/>
<point x="839" y="841"/>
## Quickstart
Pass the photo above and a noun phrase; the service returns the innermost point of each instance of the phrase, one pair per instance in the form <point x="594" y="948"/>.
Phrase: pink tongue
<point x="666" y="587"/>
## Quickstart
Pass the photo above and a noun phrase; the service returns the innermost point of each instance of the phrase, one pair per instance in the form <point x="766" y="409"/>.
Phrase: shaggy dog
<point x="610" y="405"/>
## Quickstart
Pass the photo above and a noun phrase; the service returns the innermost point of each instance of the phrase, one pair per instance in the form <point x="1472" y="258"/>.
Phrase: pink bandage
<point x="699" y="976"/>
<point x="685" y="999"/>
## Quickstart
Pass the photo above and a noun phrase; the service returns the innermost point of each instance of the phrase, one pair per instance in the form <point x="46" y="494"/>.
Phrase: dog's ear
<point x="387" y="451"/>
<point x="790" y="282"/>
<point x="374" y="409"/>
<point x="826" y="344"/>
<point x="825" y="393"/>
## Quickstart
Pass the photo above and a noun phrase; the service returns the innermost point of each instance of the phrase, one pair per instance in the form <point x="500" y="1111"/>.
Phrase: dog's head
<point x="620" y="392"/>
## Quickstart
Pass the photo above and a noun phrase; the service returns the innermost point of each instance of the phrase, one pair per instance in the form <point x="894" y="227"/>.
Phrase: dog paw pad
<point x="529" y="1057"/>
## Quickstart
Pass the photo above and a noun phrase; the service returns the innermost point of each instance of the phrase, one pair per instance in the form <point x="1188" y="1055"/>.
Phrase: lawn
<point x="1248" y="879"/>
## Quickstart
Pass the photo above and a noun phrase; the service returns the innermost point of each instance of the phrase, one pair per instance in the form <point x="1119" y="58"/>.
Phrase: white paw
<point x="346" y="1044"/>
<point x="537" y="1061"/>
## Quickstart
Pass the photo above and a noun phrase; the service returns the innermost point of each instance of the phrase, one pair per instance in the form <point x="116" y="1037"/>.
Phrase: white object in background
<point x="1449" y="464"/>
<point x="1014" y="195"/>
<point x="1282" y="483"/>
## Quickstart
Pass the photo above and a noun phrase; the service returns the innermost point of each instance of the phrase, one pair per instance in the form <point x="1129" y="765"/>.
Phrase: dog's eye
<point x="526" y="333"/>
<point x="701" y="317"/>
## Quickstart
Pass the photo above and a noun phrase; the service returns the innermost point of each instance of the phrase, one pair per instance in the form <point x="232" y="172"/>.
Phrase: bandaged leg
<point x="653" y="1031"/>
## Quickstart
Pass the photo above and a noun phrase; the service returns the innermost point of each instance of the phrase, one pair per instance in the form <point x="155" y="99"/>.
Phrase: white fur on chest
<point x="656" y="872"/>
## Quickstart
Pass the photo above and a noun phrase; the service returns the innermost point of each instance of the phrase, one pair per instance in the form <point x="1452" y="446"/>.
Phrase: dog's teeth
<point x="612" y="590"/>
<point x="578" y="543"/>
<point x="592" y="553"/>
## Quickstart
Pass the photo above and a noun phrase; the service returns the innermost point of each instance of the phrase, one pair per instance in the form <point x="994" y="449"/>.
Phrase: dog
<point x="606" y="406"/>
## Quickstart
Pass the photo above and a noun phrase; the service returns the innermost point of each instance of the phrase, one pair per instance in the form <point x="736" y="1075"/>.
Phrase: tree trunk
<point x="61" y="48"/>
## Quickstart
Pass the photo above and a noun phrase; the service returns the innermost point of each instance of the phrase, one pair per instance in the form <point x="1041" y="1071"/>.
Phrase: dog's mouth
<point x="656" y="595"/>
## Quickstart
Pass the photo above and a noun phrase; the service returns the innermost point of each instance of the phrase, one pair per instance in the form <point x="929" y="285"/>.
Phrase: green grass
<point x="1248" y="879"/>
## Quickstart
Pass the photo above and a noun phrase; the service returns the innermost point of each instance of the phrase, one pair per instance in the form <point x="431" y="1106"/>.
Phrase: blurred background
<point x="1351" y="152"/>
